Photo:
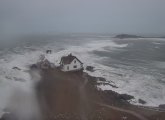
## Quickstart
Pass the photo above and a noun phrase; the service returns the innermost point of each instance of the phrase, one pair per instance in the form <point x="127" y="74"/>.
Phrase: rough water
<point x="135" y="66"/>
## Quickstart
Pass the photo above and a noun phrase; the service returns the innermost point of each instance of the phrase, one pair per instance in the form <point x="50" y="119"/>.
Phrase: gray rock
<point x="34" y="66"/>
<point x="90" y="68"/>
<point x="48" y="51"/>
<point x="16" y="68"/>
<point x="125" y="97"/>
<point x="142" y="101"/>
<point x="101" y="79"/>
<point x="162" y="106"/>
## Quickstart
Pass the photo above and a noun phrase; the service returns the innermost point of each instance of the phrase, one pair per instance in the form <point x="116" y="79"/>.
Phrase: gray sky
<point x="96" y="16"/>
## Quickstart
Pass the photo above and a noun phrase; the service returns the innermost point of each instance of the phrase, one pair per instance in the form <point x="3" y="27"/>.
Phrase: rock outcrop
<point x="122" y="36"/>
<point x="142" y="101"/>
<point x="90" y="68"/>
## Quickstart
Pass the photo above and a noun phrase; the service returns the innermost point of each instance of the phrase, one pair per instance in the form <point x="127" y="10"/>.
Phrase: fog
<point x="81" y="16"/>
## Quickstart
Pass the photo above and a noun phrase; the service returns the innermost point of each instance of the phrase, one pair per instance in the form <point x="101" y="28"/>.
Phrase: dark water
<point x="137" y="68"/>
<point x="139" y="53"/>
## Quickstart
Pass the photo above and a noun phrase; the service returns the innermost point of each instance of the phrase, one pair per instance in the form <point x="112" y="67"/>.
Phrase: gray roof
<point x="68" y="59"/>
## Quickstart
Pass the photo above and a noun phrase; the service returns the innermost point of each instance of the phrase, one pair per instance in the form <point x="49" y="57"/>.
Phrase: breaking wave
<point x="14" y="70"/>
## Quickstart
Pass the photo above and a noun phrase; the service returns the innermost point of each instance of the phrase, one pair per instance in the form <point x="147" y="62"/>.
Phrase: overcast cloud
<point x="96" y="16"/>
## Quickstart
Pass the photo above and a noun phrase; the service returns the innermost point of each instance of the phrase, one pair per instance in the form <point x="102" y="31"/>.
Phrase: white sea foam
<point x="14" y="76"/>
<point x="137" y="84"/>
<point x="141" y="86"/>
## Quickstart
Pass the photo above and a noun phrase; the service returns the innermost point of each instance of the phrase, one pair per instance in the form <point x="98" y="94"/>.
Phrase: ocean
<point x="136" y="66"/>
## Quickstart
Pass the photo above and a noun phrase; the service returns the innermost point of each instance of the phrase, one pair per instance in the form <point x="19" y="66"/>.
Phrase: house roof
<point x="68" y="59"/>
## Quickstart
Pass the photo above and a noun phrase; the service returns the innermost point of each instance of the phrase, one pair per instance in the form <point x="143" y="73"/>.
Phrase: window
<point x="67" y="67"/>
<point x="75" y="66"/>
<point x="75" y="61"/>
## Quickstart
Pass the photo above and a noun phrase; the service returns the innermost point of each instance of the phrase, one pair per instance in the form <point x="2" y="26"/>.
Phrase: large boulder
<point x="162" y="106"/>
<point x="34" y="66"/>
<point x="90" y="68"/>
<point x="101" y="79"/>
<point x="48" y="51"/>
<point x="142" y="101"/>
<point x="125" y="97"/>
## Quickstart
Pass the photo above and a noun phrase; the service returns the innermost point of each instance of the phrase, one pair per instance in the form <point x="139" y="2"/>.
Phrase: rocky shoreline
<point x="68" y="93"/>
<point x="102" y="81"/>
<point x="77" y="93"/>
<point x="75" y="96"/>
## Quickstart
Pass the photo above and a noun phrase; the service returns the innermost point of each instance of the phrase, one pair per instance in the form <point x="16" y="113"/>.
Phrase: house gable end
<point x="69" y="59"/>
<point x="78" y="60"/>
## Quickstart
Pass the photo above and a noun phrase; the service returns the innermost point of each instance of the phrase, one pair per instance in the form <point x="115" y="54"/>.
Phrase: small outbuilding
<point x="70" y="63"/>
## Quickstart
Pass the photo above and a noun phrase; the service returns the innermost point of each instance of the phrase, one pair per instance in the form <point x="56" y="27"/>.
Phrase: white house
<point x="70" y="63"/>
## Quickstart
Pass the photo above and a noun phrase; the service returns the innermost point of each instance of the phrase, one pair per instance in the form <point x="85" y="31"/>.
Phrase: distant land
<point x="123" y="36"/>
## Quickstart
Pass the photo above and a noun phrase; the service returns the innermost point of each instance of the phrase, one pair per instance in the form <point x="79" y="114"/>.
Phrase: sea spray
<point x="23" y="104"/>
